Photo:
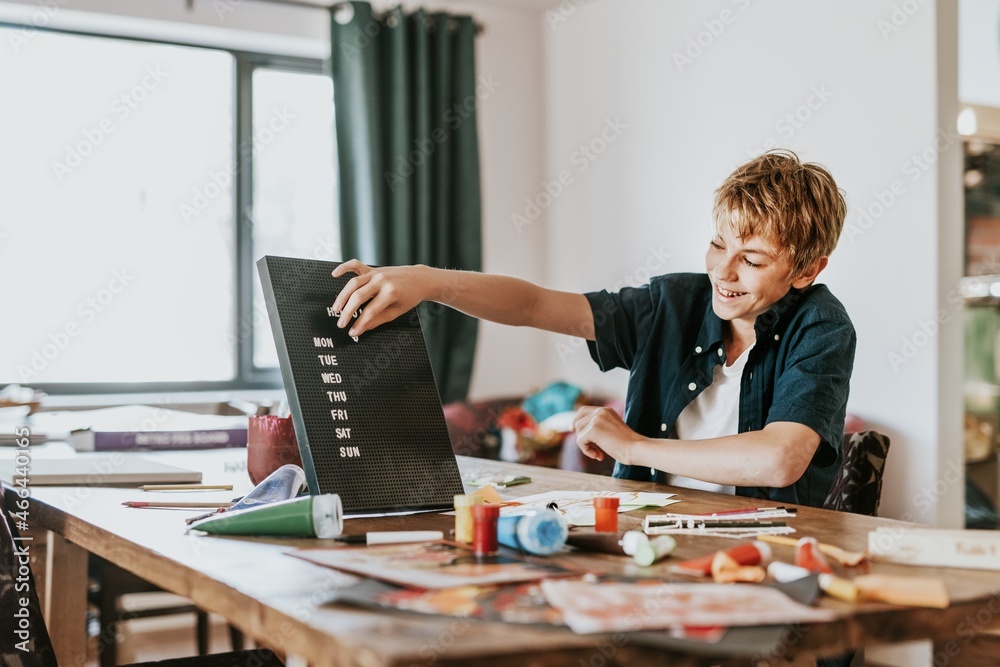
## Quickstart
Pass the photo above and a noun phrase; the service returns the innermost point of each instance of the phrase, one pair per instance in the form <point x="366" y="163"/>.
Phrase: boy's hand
<point x="600" y="431"/>
<point x="388" y="292"/>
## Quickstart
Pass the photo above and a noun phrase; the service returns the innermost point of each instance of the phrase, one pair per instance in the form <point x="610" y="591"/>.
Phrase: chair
<point x="109" y="583"/>
<point x="18" y="586"/>
<point x="858" y="485"/>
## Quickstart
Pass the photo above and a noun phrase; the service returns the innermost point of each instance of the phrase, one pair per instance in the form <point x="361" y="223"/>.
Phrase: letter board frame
<point x="367" y="413"/>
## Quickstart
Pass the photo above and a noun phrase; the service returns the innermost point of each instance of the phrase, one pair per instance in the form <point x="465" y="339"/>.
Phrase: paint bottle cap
<point x="785" y="572"/>
<point x="632" y="540"/>
<point x="654" y="550"/>
<point x="327" y="515"/>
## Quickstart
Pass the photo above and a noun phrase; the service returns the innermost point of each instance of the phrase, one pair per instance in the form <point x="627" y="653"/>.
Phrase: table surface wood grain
<point x="284" y="602"/>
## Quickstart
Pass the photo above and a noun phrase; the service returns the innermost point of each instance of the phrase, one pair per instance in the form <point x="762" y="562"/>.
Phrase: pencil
<point x="175" y="503"/>
<point x="186" y="487"/>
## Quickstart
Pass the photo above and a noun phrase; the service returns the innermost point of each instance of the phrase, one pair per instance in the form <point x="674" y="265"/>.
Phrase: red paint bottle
<point x="484" y="529"/>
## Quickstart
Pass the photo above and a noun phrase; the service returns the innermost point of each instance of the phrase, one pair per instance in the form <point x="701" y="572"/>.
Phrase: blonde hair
<point x="794" y="205"/>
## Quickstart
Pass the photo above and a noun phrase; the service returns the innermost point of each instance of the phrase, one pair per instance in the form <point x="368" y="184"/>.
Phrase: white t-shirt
<point x="713" y="414"/>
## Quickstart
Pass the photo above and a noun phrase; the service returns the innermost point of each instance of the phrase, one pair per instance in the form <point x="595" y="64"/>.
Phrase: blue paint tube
<point x="541" y="533"/>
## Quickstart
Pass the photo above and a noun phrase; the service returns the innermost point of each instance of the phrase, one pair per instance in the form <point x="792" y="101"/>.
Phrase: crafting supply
<point x="606" y="514"/>
<point x="655" y="549"/>
<point x="392" y="537"/>
<point x="632" y="541"/>
<point x="842" y="556"/>
<point x="484" y="529"/>
<point x="750" y="553"/>
<point x="785" y="572"/>
<point x="186" y="487"/>
<point x="975" y="549"/>
<point x="842" y="589"/>
<point x="753" y="511"/>
<point x="725" y="570"/>
<point x="747" y="523"/>
<point x="191" y="519"/>
<point x="286" y="482"/>
<point x="605" y="543"/>
<point x="463" y="517"/>
<point x="755" y="515"/>
<point x="809" y="556"/>
<point x="911" y="591"/>
<point x="541" y="533"/>
<point x="177" y="504"/>
<point x="308" y="516"/>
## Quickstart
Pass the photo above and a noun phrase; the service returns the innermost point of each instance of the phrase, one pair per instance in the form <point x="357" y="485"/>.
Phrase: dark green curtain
<point x="405" y="93"/>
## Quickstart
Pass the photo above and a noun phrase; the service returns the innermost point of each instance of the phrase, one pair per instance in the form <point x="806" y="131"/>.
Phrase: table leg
<point x="65" y="600"/>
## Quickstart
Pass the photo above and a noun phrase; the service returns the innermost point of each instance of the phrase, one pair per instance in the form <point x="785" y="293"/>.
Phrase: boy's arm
<point x="391" y="291"/>
<point x="775" y="456"/>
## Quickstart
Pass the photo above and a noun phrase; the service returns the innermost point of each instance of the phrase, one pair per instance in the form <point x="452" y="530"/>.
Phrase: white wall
<point x="979" y="52"/>
<point x="511" y="133"/>
<point x="688" y="123"/>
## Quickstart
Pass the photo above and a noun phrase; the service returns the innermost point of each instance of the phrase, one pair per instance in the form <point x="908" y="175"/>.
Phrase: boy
<point x="738" y="377"/>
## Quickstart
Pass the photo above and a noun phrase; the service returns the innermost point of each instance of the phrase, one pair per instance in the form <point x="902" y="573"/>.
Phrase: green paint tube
<point x="308" y="516"/>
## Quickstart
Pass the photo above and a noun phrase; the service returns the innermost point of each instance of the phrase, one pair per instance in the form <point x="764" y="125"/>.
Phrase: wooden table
<point x="283" y="602"/>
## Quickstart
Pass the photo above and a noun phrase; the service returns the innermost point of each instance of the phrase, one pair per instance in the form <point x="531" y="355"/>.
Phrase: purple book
<point x="150" y="428"/>
<point x="108" y="441"/>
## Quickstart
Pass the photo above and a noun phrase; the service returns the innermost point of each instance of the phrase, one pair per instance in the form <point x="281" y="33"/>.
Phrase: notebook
<point x="96" y="470"/>
<point x="367" y="415"/>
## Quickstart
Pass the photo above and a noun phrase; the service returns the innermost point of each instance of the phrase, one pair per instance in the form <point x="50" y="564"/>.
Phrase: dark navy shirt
<point x="669" y="338"/>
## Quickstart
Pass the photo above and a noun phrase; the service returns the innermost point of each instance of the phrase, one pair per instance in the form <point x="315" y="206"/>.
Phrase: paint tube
<point x="308" y="516"/>
<point x="286" y="482"/>
<point x="750" y="553"/>
<point x="540" y="533"/>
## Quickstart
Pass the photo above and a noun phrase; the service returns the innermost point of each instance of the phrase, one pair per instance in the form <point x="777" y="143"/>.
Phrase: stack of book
<point x="144" y="428"/>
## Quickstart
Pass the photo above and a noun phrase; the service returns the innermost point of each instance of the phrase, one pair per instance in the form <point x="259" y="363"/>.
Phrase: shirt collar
<point x="768" y="324"/>
<point x="775" y="320"/>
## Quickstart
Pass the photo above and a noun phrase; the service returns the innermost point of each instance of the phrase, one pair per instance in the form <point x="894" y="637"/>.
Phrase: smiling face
<point x="749" y="275"/>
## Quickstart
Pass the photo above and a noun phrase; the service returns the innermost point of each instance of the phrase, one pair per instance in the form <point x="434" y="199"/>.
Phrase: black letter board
<point x="367" y="414"/>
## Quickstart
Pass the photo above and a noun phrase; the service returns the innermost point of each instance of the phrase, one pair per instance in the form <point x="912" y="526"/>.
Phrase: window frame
<point x="248" y="376"/>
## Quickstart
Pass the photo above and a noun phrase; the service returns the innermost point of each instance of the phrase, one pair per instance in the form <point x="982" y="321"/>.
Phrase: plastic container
<point x="606" y="514"/>
<point x="463" y="517"/>
<point x="541" y="533"/>
<point x="484" y="529"/>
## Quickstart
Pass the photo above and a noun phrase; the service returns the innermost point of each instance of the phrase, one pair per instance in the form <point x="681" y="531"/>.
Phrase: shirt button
<point x="663" y="427"/>
<point x="698" y="349"/>
<point x="692" y="386"/>
<point x="776" y="336"/>
<point x="720" y="351"/>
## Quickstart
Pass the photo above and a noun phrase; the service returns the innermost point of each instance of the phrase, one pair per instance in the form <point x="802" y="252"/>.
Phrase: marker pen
<point x="392" y="537"/>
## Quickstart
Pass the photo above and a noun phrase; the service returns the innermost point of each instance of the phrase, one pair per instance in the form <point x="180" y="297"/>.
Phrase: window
<point x="141" y="181"/>
<point x="293" y="201"/>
